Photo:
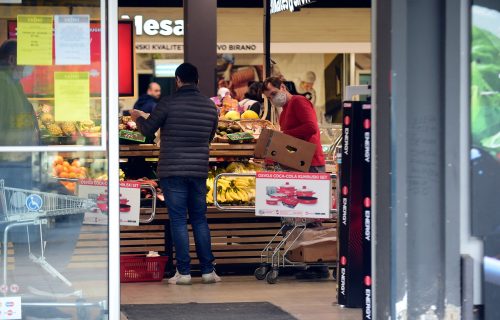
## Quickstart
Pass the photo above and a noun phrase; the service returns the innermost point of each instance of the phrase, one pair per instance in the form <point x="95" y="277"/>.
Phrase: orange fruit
<point x="58" y="160"/>
<point x="66" y="163"/>
<point x="75" y="163"/>
<point x="64" y="174"/>
<point x="59" y="168"/>
<point x="72" y="175"/>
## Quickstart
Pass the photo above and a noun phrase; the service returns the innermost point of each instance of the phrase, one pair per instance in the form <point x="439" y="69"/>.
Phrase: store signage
<point x="178" y="47"/>
<point x="152" y="27"/>
<point x="97" y="190"/>
<point x="293" y="195"/>
<point x="278" y="6"/>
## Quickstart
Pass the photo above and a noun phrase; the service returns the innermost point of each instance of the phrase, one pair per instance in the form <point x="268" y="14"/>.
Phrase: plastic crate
<point x="141" y="268"/>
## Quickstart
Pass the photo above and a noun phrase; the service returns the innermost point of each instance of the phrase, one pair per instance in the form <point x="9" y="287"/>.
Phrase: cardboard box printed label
<point x="293" y="194"/>
<point x="284" y="149"/>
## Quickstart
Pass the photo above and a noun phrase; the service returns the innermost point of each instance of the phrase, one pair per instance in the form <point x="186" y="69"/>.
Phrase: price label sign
<point x="131" y="135"/>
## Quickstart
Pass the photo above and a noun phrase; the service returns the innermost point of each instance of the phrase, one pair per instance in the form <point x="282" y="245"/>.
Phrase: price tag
<point x="132" y="135"/>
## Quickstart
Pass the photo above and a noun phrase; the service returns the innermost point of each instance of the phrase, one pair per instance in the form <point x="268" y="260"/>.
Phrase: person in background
<point x="297" y="118"/>
<point x="253" y="100"/>
<point x="188" y="121"/>
<point x="18" y="122"/>
<point x="147" y="102"/>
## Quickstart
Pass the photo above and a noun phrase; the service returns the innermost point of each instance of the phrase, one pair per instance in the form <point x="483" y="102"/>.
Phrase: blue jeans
<point x="188" y="195"/>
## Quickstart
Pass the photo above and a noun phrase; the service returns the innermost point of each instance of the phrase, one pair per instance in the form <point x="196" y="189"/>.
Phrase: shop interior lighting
<point x="165" y="68"/>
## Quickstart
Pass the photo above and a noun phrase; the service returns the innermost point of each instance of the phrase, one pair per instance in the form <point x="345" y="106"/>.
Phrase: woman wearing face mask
<point x="18" y="123"/>
<point x="297" y="118"/>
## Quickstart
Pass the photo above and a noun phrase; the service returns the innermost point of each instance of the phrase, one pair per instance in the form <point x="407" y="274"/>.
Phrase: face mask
<point x="279" y="100"/>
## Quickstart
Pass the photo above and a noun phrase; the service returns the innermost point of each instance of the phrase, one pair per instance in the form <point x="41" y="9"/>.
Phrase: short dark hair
<point x="187" y="73"/>
<point x="7" y="49"/>
<point x="254" y="91"/>
<point x="274" y="81"/>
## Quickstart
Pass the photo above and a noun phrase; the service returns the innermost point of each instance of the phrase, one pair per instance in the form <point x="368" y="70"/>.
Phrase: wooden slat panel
<point x="91" y="243"/>
<point x="142" y="235"/>
<point x="143" y="228"/>
<point x="141" y="242"/>
<point x="91" y="250"/>
<point x="141" y="249"/>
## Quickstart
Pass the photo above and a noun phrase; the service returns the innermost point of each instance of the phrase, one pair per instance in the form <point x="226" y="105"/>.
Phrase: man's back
<point x="187" y="120"/>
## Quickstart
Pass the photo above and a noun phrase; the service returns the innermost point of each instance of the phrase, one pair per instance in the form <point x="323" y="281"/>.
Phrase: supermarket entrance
<point x="238" y="235"/>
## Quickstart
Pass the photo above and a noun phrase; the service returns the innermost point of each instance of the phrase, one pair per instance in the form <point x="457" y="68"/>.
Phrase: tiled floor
<point x="306" y="300"/>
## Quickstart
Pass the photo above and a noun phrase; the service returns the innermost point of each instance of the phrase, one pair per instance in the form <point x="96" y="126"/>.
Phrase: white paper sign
<point x="130" y="201"/>
<point x="72" y="39"/>
<point x="10" y="308"/>
<point x="293" y="194"/>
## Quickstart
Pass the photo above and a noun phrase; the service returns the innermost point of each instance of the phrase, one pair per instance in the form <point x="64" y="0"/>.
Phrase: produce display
<point x="255" y="126"/>
<point x="49" y="128"/>
<point x="62" y="168"/>
<point x="233" y="191"/>
<point x="126" y="123"/>
<point x="89" y="129"/>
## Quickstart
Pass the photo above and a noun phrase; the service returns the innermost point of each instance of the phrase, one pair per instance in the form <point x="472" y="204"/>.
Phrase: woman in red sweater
<point x="297" y="118"/>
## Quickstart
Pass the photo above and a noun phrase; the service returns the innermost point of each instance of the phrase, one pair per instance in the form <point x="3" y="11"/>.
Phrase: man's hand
<point x="134" y="113"/>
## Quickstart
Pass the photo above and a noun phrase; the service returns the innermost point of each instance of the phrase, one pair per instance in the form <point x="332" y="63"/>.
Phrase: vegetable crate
<point x="141" y="268"/>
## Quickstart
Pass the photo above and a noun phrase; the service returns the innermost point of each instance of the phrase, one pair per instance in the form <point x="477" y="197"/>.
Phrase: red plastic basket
<point x="141" y="268"/>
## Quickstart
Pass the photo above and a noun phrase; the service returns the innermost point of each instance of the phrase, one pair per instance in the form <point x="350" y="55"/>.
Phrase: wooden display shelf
<point x="216" y="150"/>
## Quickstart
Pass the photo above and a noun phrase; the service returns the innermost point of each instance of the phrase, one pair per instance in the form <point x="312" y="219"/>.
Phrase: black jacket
<point x="188" y="121"/>
<point x="145" y="103"/>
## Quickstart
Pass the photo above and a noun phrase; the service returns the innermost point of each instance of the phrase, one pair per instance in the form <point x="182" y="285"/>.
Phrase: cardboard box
<point x="284" y="149"/>
<point x="313" y="245"/>
<point x="323" y="251"/>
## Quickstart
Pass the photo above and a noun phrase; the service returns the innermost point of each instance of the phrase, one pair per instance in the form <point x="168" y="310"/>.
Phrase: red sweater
<point x="298" y="119"/>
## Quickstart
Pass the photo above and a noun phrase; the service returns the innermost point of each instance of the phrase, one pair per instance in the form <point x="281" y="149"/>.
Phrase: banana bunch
<point x="233" y="190"/>
<point x="210" y="192"/>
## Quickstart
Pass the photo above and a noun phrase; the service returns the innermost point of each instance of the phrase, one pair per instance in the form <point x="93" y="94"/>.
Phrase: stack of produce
<point x="233" y="190"/>
<point x="63" y="169"/>
<point x="89" y="129"/>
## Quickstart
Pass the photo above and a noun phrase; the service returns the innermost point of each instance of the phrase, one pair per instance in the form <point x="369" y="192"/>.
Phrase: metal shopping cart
<point x="23" y="208"/>
<point x="275" y="254"/>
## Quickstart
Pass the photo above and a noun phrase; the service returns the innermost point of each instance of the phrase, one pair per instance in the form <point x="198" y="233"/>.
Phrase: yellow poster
<point x="34" y="40"/>
<point x="72" y="96"/>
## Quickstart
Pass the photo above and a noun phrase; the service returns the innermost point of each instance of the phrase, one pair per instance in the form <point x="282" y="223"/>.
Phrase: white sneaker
<point x="180" y="279"/>
<point x="212" y="277"/>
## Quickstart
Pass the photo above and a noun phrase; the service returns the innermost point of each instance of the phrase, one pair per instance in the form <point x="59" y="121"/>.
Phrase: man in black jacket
<point x="147" y="102"/>
<point x="188" y="121"/>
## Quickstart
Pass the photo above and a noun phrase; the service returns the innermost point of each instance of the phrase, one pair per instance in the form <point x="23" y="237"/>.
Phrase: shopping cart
<point x="23" y="208"/>
<point x="274" y="254"/>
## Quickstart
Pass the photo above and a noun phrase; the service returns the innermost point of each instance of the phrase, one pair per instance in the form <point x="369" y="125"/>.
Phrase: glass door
<point x="56" y="138"/>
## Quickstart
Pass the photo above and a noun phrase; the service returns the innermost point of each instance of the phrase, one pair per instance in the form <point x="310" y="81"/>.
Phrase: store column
<point x="418" y="161"/>
<point x="200" y="41"/>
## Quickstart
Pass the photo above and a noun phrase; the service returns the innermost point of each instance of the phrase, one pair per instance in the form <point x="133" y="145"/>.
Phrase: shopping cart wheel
<point x="272" y="276"/>
<point x="260" y="272"/>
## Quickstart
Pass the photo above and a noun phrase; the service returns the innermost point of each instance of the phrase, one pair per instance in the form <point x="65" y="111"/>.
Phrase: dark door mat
<point x="206" y="311"/>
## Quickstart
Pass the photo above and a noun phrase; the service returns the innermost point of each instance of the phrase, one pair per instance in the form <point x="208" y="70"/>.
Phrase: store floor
<point x="305" y="300"/>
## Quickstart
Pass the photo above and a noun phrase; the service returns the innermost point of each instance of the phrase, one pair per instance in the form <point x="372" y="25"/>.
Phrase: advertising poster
<point x="72" y="39"/>
<point x="293" y="194"/>
<point x="367" y="211"/>
<point x="354" y="182"/>
<point x="34" y="40"/>
<point x="10" y="308"/>
<point x="97" y="190"/>
<point x="72" y="96"/>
